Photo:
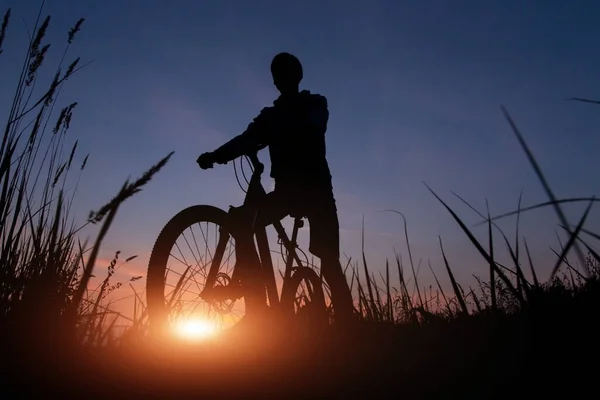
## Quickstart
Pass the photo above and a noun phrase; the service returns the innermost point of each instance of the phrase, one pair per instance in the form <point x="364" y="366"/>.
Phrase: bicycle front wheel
<point x="193" y="252"/>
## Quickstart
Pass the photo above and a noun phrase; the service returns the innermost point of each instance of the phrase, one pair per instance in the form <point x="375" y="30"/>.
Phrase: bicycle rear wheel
<point x="193" y="249"/>
<point x="303" y="300"/>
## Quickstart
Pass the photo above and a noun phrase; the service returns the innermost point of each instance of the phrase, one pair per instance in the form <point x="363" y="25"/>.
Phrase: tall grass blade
<point x="89" y="267"/>
<point x="540" y="205"/>
<point x="516" y="258"/>
<point x="584" y="100"/>
<point x="380" y="310"/>
<point x="541" y="177"/>
<point x="457" y="293"/>
<point x="440" y="289"/>
<point x="406" y="305"/>
<point x="491" y="262"/>
<point x="536" y="282"/>
<point x="572" y="242"/>
<point x="388" y="291"/>
<point x="366" y="269"/>
<point x="514" y="255"/>
<point x="587" y="232"/>
<point x="478" y="246"/>
<point x="588" y="248"/>
<point x="362" y="300"/>
<point x="410" y="257"/>
<point x="5" y="21"/>
<point x="476" y="301"/>
<point x="570" y="267"/>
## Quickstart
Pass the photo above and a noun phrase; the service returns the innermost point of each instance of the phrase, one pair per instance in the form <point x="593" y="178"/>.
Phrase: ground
<point x="487" y="356"/>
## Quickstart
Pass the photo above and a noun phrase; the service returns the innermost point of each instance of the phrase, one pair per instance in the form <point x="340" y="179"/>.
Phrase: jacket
<point x="294" y="130"/>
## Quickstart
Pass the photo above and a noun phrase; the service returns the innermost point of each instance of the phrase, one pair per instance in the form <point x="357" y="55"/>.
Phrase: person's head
<point x="287" y="73"/>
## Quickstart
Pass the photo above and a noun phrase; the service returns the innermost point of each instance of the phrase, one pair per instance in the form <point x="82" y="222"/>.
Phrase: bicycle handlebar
<point x="253" y="156"/>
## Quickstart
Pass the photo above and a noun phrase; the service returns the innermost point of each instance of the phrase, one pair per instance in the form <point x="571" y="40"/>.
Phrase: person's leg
<point x="325" y="244"/>
<point x="340" y="291"/>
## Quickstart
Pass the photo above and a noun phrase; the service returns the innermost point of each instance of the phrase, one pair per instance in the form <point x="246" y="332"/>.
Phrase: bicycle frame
<point x="252" y="202"/>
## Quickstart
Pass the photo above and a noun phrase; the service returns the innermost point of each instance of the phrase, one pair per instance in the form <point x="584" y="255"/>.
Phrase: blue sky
<point x="414" y="90"/>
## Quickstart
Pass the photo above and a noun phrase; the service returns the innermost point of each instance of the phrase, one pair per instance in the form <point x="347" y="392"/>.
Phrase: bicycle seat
<point x="298" y="219"/>
<point x="296" y="214"/>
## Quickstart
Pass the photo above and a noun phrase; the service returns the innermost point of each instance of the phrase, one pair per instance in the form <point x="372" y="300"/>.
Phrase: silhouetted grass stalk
<point x="520" y="291"/>
<point x="43" y="274"/>
<point x="37" y="259"/>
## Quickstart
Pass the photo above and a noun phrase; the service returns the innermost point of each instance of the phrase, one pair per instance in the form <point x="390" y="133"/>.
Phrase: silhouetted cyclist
<point x="294" y="130"/>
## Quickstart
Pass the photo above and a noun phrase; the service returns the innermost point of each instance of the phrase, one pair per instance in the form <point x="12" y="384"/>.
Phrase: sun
<point x="195" y="329"/>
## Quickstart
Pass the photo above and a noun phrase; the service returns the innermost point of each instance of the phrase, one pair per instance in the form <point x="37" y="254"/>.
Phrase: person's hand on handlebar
<point x="207" y="160"/>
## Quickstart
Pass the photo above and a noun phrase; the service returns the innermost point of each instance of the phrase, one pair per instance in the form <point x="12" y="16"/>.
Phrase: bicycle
<point x="164" y="308"/>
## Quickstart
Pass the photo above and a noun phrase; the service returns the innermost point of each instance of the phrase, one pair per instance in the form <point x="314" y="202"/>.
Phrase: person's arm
<point x="318" y="114"/>
<point x="256" y="135"/>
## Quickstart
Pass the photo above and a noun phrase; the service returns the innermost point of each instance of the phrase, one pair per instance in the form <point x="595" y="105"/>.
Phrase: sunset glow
<point x="196" y="329"/>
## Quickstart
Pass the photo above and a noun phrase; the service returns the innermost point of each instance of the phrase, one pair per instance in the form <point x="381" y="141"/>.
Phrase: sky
<point x="414" y="91"/>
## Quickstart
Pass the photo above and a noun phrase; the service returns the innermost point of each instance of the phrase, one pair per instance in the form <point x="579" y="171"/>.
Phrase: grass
<point x="512" y="334"/>
<point x="45" y="269"/>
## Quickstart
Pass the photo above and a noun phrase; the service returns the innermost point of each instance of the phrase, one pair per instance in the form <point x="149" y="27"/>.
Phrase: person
<point x="294" y="130"/>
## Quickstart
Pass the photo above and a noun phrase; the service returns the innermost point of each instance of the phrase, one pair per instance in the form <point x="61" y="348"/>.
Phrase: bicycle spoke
<point x="198" y="259"/>
<point x="181" y="290"/>
<point x="195" y="242"/>
<point x="191" y="251"/>
<point x="196" y="271"/>
<point x="177" y="287"/>
<point x="188" y="265"/>
<point x="205" y="240"/>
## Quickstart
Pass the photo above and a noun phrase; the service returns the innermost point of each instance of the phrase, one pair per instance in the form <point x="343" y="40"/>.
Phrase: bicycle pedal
<point x="229" y="292"/>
